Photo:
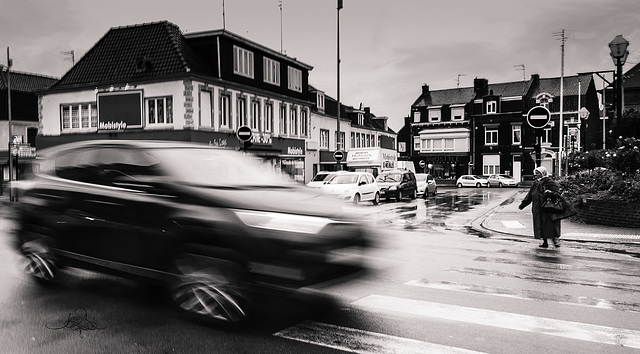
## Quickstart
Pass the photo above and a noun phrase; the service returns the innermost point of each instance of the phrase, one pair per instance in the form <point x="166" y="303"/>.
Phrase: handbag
<point x="552" y="205"/>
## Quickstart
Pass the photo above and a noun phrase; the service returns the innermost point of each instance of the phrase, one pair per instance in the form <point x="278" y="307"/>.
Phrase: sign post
<point x="538" y="117"/>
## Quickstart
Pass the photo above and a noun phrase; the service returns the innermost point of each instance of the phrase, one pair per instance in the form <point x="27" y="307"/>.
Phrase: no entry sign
<point x="538" y="117"/>
<point x="244" y="133"/>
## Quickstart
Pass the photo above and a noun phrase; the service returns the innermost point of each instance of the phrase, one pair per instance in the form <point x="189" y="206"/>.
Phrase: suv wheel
<point x="399" y="195"/>
<point x="414" y="195"/>
<point x="38" y="260"/>
<point x="210" y="288"/>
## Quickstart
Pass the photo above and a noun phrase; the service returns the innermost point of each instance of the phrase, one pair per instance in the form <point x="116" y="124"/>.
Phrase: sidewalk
<point x="507" y="219"/>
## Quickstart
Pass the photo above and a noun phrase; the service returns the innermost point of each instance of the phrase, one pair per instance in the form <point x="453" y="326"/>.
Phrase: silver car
<point x="471" y="181"/>
<point x="501" y="181"/>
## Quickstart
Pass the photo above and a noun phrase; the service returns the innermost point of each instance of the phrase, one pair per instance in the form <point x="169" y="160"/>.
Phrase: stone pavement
<point x="507" y="219"/>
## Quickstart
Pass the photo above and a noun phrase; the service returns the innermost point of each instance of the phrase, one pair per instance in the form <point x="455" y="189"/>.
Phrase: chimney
<point x="425" y="89"/>
<point x="480" y="87"/>
<point x="367" y="110"/>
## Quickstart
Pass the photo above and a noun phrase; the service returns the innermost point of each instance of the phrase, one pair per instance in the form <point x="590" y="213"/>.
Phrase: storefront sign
<point x="112" y="125"/>
<point x="218" y="142"/>
<point x="293" y="150"/>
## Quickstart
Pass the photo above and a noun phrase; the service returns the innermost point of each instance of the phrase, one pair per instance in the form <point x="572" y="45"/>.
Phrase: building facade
<point x="366" y="140"/>
<point x="483" y="129"/>
<point x="24" y="88"/>
<point x="151" y="81"/>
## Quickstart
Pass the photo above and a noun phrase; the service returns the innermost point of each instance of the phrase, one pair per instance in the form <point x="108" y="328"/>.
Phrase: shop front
<point x="443" y="167"/>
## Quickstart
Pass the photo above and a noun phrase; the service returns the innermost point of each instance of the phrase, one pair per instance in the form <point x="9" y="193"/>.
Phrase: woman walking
<point x="544" y="226"/>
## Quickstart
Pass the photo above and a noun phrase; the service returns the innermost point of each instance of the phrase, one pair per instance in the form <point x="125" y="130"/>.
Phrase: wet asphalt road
<point x="433" y="286"/>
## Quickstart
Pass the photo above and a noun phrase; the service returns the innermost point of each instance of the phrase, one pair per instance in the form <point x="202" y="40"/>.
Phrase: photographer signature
<point x="77" y="321"/>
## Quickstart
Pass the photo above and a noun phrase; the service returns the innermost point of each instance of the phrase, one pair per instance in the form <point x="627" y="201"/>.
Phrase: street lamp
<point x="619" y="53"/>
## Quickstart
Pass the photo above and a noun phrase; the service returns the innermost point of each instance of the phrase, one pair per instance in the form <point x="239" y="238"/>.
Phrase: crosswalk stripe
<point x="359" y="341"/>
<point x="560" y="328"/>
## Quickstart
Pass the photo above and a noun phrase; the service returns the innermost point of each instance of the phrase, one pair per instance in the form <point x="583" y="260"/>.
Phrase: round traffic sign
<point x="422" y="163"/>
<point x="538" y="117"/>
<point x="244" y="133"/>
<point x="338" y="155"/>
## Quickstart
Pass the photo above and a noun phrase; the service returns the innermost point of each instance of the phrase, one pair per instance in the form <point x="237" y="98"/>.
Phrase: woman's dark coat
<point x="543" y="225"/>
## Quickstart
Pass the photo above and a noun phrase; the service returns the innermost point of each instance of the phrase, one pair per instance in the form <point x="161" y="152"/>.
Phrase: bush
<point x="612" y="174"/>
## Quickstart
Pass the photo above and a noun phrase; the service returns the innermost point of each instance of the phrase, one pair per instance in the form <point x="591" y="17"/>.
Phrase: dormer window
<point x="457" y="112"/>
<point x="492" y="107"/>
<point x="242" y="62"/>
<point x="416" y="116"/>
<point x="434" y="113"/>
<point x="320" y="101"/>
<point x="360" y="119"/>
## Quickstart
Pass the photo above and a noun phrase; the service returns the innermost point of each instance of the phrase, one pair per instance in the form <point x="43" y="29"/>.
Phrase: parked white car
<point x="353" y="187"/>
<point x="471" y="181"/>
<point x="501" y="181"/>
<point x="321" y="177"/>
<point x="426" y="185"/>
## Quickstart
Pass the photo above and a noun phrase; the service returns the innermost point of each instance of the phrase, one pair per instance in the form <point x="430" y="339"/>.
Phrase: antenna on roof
<point x="458" y="80"/>
<point x="280" y="6"/>
<point x="521" y="67"/>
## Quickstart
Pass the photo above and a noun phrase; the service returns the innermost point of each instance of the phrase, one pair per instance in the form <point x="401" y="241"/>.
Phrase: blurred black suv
<point x="213" y="225"/>
<point x="397" y="184"/>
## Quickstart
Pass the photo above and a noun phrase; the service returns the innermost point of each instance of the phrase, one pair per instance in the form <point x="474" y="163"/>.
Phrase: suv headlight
<point x="393" y="188"/>
<point x="283" y="222"/>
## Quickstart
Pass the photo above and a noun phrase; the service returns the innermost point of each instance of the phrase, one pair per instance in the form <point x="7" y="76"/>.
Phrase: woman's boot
<point x="544" y="243"/>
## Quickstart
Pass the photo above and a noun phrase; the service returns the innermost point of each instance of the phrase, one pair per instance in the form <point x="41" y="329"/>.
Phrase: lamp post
<point x="619" y="53"/>
<point x="338" y="147"/>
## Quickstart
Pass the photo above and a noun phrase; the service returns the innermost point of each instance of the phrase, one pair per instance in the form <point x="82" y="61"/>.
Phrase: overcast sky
<point x="388" y="49"/>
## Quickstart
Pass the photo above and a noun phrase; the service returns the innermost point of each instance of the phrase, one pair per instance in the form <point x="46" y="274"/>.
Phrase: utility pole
<point x="338" y="82"/>
<point x="561" y="130"/>
<point x="9" y="63"/>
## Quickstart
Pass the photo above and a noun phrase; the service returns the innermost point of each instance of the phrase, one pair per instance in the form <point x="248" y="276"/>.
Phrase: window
<point x="271" y="70"/>
<point x="353" y="139"/>
<point x="324" y="139"/>
<point x="416" y="116"/>
<point x="242" y="62"/>
<point x="457" y="113"/>
<point x="241" y="111"/>
<point x="268" y="117"/>
<point x="546" y="137"/>
<point x="434" y="115"/>
<point x="283" y="119"/>
<point x="255" y="115"/>
<point x="303" y="122"/>
<point x="295" y="79"/>
<point x="490" y="164"/>
<point x="79" y="116"/>
<point x="492" y="107"/>
<point x="448" y="144"/>
<point x="342" y="141"/>
<point x="491" y="136"/>
<point x="416" y="144"/>
<point x="516" y="135"/>
<point x="293" y="116"/>
<point x="320" y="101"/>
<point x="225" y="110"/>
<point x="360" y="119"/>
<point x="159" y="110"/>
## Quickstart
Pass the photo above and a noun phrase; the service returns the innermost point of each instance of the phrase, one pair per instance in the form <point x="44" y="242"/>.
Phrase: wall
<point x="608" y="212"/>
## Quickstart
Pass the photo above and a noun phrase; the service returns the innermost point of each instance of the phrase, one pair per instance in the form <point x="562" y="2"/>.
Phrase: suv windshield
<point x="212" y="167"/>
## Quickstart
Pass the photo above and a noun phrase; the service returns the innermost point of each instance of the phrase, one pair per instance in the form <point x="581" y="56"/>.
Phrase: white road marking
<point x="359" y="341"/>
<point x="511" y="224"/>
<point x="559" y="328"/>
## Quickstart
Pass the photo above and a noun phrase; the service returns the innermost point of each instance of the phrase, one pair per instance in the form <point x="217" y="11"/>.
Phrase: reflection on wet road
<point x="449" y="207"/>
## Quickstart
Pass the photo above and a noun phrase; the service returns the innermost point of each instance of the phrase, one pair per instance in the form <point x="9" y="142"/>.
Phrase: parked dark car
<point x="213" y="225"/>
<point x="397" y="184"/>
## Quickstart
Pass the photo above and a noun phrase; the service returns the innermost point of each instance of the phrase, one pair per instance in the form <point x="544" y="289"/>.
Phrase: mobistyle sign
<point x="120" y="110"/>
